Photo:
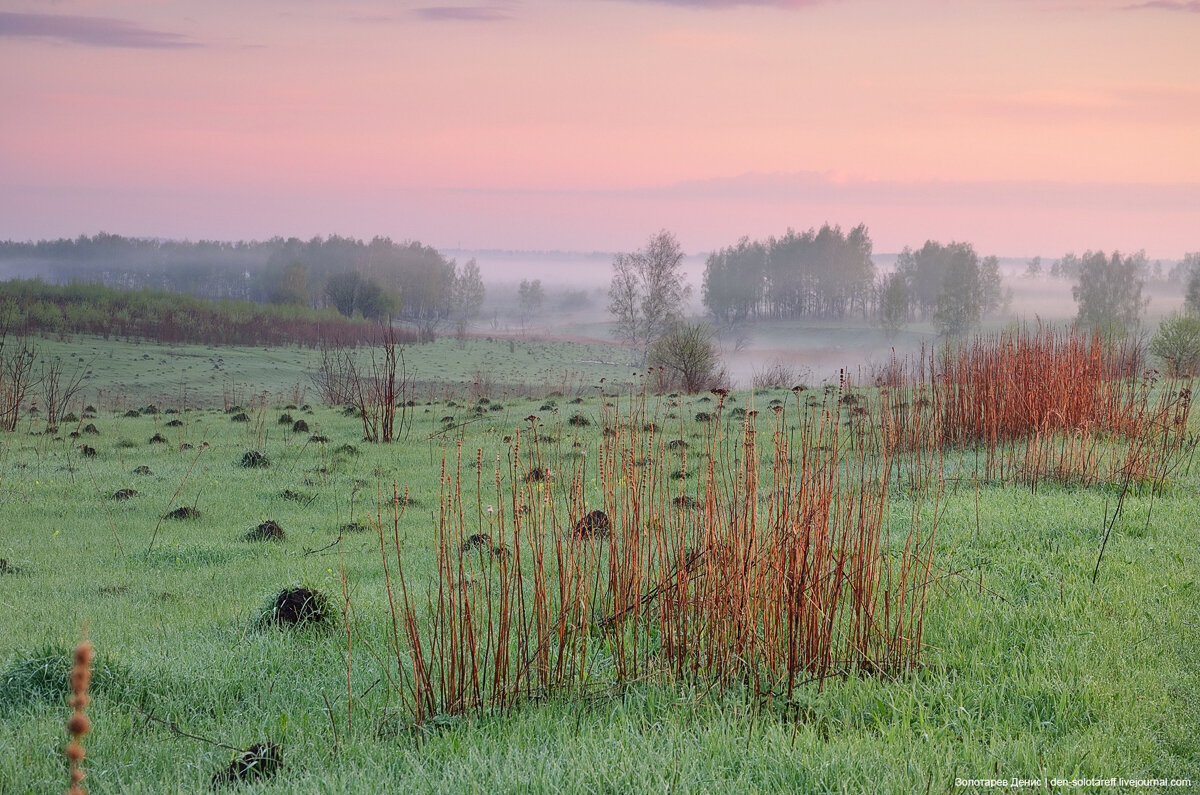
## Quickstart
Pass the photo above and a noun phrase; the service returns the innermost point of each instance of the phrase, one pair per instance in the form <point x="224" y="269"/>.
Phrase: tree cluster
<point x="823" y="273"/>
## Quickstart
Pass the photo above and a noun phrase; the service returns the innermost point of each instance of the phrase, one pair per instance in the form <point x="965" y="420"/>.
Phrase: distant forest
<point x="375" y="280"/>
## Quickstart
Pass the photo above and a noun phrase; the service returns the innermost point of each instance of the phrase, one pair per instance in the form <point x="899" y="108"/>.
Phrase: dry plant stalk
<point x="775" y="573"/>
<point x="78" y="724"/>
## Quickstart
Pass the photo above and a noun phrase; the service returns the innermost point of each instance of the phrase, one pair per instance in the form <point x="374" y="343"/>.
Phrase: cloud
<point x="1192" y="6"/>
<point x="722" y="4"/>
<point x="463" y="14"/>
<point x="93" y="31"/>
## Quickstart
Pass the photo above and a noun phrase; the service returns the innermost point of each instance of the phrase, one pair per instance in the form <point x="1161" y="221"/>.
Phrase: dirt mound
<point x="175" y="423"/>
<point x="252" y="459"/>
<point x="182" y="512"/>
<point x="8" y="568"/>
<point x="87" y="451"/>
<point x="92" y="429"/>
<point x="258" y="762"/>
<point x="477" y="541"/>
<point x="158" y="438"/>
<point x="353" y="527"/>
<point x="299" y="426"/>
<point x="142" y="470"/>
<point x="595" y="525"/>
<point x="269" y="530"/>
<point x="295" y="496"/>
<point x="125" y="494"/>
<point x="297" y="606"/>
<point x="241" y="416"/>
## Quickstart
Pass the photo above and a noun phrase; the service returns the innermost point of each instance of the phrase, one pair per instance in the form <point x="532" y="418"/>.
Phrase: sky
<point x="1026" y="127"/>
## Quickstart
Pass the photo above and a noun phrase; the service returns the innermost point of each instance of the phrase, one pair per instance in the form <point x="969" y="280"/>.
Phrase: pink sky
<point x="1023" y="126"/>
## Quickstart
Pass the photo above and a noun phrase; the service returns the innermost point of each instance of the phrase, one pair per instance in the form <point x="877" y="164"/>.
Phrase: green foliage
<point x="1109" y="290"/>
<point x="1177" y="343"/>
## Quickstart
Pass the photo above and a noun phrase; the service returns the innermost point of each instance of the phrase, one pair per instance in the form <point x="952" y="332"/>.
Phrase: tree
<point x="960" y="301"/>
<point x="349" y="292"/>
<point x="342" y="291"/>
<point x="950" y="285"/>
<point x="893" y="304"/>
<point x="292" y="286"/>
<point x="469" y="293"/>
<point x="647" y="292"/>
<point x="1177" y="343"/>
<point x="733" y="281"/>
<point x="1033" y="268"/>
<point x="1109" y="290"/>
<point x="686" y="354"/>
<point x="1191" y="296"/>
<point x="530" y="298"/>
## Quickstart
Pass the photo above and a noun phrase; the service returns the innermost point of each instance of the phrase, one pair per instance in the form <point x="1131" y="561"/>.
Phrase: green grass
<point x="119" y="373"/>
<point x="1031" y="670"/>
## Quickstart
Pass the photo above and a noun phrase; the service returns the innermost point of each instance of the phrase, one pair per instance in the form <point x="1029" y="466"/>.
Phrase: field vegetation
<point x="976" y="563"/>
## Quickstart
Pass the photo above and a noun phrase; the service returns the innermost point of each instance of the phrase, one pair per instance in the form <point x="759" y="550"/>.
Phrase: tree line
<point x="378" y="279"/>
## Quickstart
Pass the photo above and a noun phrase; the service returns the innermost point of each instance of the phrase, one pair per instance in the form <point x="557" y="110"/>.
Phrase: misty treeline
<point x="829" y="274"/>
<point x="379" y="279"/>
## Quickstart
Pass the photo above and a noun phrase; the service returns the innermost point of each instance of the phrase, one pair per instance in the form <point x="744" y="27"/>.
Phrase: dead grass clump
<point x="295" y="496"/>
<point x="142" y="470"/>
<point x="253" y="459"/>
<point x="241" y="416"/>
<point x="594" y="525"/>
<point x="157" y="438"/>
<point x="317" y="438"/>
<point x="535" y="475"/>
<point x="175" y="424"/>
<point x="87" y="451"/>
<point x="8" y="568"/>
<point x="286" y="419"/>
<point x="91" y="428"/>
<point x="133" y="413"/>
<point x="256" y="763"/>
<point x="269" y="530"/>
<point x="353" y="527"/>
<point x="579" y="421"/>
<point x="124" y="494"/>
<point x="684" y="501"/>
<point x="183" y="512"/>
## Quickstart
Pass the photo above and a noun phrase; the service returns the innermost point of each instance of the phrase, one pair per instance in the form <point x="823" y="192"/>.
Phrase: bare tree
<point x="647" y="292"/>
<point x="16" y="378"/>
<point x="58" y="388"/>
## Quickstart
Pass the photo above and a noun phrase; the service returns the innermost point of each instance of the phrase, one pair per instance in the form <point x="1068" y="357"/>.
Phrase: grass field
<point x="1029" y="670"/>
<point x="128" y="375"/>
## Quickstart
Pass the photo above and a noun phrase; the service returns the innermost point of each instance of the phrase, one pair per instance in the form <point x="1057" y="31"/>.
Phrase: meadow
<point x="1032" y="661"/>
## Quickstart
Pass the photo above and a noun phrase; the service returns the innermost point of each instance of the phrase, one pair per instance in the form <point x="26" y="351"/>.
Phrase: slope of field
<point x="1030" y="670"/>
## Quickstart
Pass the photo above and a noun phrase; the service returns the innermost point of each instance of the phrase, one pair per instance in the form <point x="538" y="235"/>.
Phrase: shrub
<point x="1177" y="343"/>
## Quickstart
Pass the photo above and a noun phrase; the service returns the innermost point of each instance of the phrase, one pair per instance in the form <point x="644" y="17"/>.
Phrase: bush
<point x="685" y="356"/>
<point x="1177" y="343"/>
